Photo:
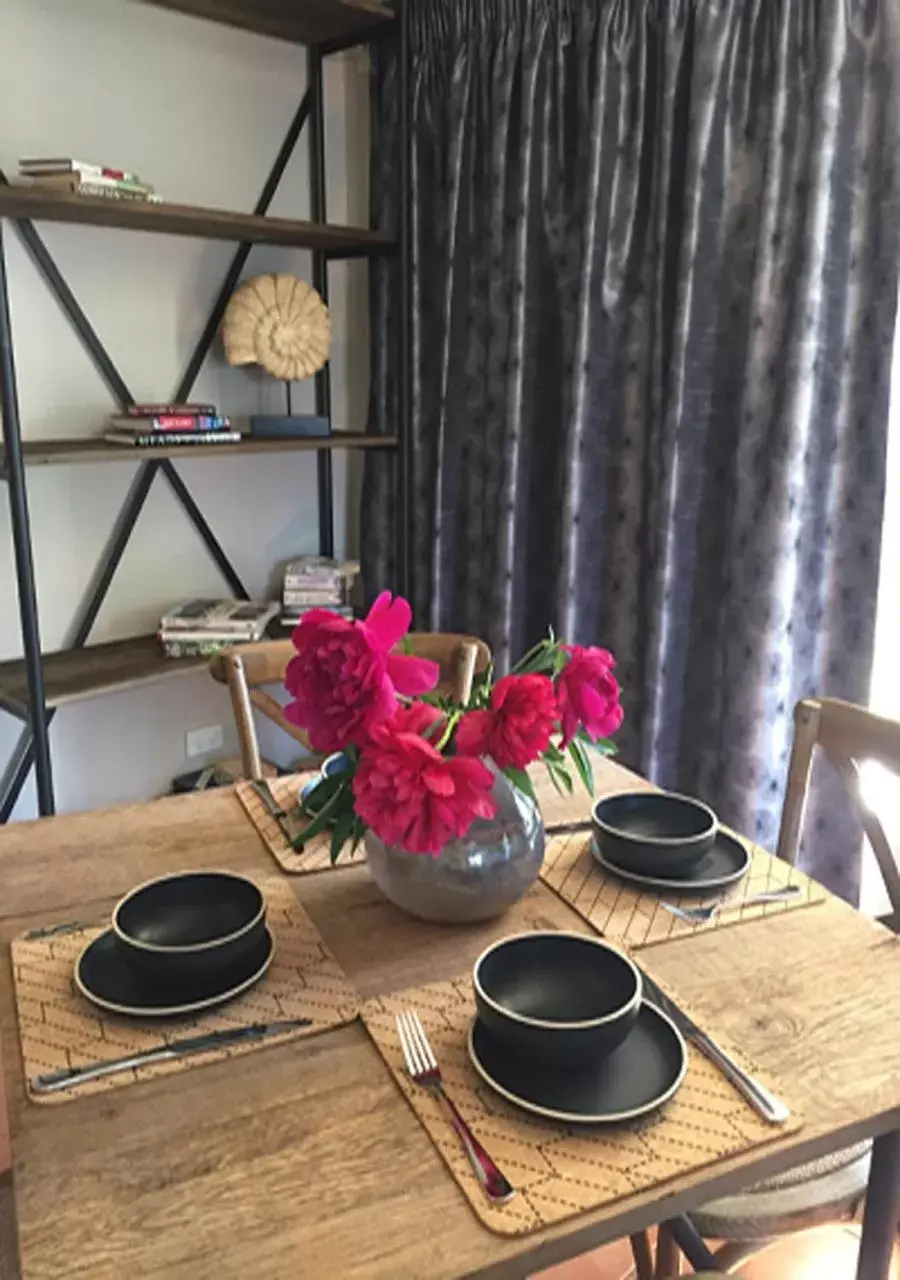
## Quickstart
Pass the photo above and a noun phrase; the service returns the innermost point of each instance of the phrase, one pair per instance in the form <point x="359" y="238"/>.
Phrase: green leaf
<point x="564" y="777"/>
<point x="582" y="763"/>
<point x="407" y="646"/>
<point x="326" y="814"/>
<point x="343" y="825"/>
<point x="553" y="754"/>
<point x="519" y="778"/>
<point x="357" y="833"/>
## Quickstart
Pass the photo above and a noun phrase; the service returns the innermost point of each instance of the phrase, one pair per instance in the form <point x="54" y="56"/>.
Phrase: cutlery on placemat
<point x="264" y="791"/>
<point x="422" y="1066"/>
<point x="704" y="914"/>
<point x="760" y="1098"/>
<point x="53" y="1081"/>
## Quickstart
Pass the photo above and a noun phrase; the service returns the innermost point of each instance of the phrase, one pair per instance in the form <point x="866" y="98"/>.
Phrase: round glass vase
<point x="474" y="878"/>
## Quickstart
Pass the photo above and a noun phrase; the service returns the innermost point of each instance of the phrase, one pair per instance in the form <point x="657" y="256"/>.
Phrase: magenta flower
<point x="345" y="677"/>
<point x="588" y="694"/>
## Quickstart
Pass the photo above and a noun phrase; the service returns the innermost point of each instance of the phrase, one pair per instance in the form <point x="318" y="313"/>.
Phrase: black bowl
<point x="561" y="998"/>
<point x="196" y="926"/>
<point x="655" y="833"/>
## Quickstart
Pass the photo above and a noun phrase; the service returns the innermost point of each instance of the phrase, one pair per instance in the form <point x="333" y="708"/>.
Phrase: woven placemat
<point x="557" y="1170"/>
<point x="59" y="1028"/>
<point x="316" y="856"/>
<point x="626" y="914"/>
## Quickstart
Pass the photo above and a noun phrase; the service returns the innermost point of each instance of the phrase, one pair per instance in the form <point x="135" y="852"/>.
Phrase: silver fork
<point x="423" y="1068"/>
<point x="702" y="915"/>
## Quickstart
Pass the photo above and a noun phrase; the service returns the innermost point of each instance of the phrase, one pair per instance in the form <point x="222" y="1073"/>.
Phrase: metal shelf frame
<point x="33" y="746"/>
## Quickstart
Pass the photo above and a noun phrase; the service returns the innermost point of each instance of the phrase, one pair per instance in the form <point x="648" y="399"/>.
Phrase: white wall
<point x="199" y="110"/>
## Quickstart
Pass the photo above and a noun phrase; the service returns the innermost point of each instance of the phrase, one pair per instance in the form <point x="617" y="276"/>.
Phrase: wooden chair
<point x="246" y="668"/>
<point x="831" y="1189"/>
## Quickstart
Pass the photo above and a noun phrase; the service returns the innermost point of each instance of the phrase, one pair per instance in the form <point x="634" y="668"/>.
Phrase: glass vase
<point x="474" y="878"/>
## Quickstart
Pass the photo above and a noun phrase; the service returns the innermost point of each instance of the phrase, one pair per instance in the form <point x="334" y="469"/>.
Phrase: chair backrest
<point x="847" y="735"/>
<point x="246" y="668"/>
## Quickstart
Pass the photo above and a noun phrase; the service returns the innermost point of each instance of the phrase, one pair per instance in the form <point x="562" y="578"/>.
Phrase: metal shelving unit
<point x="35" y="686"/>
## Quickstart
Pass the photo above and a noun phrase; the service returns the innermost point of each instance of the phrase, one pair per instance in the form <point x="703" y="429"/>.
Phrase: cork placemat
<point x="316" y="856"/>
<point x="633" y="916"/>
<point x="59" y="1028"/>
<point x="559" y="1170"/>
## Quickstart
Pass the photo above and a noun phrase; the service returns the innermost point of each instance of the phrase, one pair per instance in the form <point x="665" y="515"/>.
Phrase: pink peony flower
<point x="344" y="677"/>
<point x="517" y="727"/>
<point x="413" y="797"/>
<point x="588" y="694"/>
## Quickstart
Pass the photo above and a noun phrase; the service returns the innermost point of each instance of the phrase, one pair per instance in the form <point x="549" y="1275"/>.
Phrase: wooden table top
<point x="305" y="1160"/>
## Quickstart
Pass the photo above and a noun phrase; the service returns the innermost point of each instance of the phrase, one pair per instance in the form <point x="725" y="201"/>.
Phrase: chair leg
<point x="643" y="1256"/>
<point x="668" y="1255"/>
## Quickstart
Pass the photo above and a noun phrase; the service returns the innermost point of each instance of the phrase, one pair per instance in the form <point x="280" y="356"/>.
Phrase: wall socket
<point x="202" y="742"/>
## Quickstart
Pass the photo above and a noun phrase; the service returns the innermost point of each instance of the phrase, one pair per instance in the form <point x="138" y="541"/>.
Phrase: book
<point x="167" y="438"/>
<point x="176" y="646"/>
<point x="169" y="422"/>
<point x="313" y="599"/>
<point x="156" y="410"/>
<point x="292" y="617"/>
<point x="313" y="572"/>
<point x="55" y="165"/>
<point x="222" y="617"/>
<point x="77" y="182"/>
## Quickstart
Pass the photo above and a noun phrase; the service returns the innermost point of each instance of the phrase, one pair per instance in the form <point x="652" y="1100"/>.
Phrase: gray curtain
<point x="655" y="272"/>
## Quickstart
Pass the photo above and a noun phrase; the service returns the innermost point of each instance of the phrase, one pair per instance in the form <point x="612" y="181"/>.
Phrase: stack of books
<point x="201" y="628"/>
<point x="314" y="582"/>
<point x="79" y="177"/>
<point x="149" y="425"/>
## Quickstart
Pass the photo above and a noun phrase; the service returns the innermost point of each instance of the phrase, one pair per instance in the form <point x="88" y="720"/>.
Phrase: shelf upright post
<point x="21" y="532"/>
<point x="317" y="203"/>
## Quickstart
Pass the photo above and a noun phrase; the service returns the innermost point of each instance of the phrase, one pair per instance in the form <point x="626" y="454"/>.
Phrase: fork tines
<point x="417" y="1052"/>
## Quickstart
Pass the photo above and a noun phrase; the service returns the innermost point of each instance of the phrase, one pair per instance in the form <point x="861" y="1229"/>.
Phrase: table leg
<point x="882" y="1208"/>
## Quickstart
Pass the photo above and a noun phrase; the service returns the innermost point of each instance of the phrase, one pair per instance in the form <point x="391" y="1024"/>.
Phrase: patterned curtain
<point x="655" y="277"/>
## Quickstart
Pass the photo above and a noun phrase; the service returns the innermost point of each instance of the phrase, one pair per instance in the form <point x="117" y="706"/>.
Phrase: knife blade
<point x="264" y="791"/>
<point x="52" y="1081"/>
<point x="761" y="1099"/>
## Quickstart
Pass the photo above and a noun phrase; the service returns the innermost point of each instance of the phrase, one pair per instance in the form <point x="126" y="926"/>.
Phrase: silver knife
<point x="761" y="1099"/>
<point x="52" y="1081"/>
<point x="264" y="791"/>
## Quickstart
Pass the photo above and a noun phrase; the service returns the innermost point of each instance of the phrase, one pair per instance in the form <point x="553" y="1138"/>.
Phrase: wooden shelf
<point x="191" y="220"/>
<point x="74" y="675"/>
<point x="47" y="453"/>
<point x="303" y="21"/>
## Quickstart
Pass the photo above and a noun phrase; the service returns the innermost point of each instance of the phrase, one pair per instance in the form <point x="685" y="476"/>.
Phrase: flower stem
<point x="452" y="721"/>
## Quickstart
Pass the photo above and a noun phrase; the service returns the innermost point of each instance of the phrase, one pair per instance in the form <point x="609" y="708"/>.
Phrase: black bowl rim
<point x="711" y="828"/>
<point x="544" y="1023"/>
<point x="188" y="948"/>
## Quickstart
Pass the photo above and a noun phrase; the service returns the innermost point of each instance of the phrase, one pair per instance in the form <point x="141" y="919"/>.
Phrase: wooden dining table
<point x="304" y="1159"/>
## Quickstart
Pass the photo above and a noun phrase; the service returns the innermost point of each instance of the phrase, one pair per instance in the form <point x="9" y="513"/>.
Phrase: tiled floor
<point x="826" y="1254"/>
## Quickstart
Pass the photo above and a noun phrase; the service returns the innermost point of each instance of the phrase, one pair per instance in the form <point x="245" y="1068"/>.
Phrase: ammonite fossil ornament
<point x="280" y="323"/>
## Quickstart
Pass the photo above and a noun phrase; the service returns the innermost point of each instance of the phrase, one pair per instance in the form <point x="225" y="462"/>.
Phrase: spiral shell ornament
<point x="280" y="323"/>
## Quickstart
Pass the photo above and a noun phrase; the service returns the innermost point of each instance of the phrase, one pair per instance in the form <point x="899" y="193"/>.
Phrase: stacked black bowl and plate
<point x="178" y="945"/>
<point x="658" y="840"/>
<point x="563" y="1030"/>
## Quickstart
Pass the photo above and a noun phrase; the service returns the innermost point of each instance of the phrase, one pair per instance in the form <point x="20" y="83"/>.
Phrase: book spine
<point x="34" y="168"/>
<point x="311" y="599"/>
<point x="186" y="422"/>
<point x="161" y="410"/>
<point x="171" y="422"/>
<point x="144" y="441"/>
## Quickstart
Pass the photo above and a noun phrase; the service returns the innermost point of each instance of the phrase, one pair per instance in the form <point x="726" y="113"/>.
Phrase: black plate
<point x="104" y="976"/>
<point x="642" y="1074"/>
<point x="725" y="863"/>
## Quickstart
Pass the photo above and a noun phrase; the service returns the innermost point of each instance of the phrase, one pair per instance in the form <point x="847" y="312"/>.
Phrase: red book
<point x="174" y="409"/>
<point x="171" y="422"/>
